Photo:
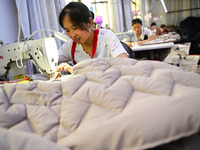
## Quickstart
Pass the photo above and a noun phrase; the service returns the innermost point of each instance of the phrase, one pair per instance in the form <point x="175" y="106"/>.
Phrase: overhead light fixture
<point x="164" y="6"/>
<point x="60" y="36"/>
<point x="99" y="2"/>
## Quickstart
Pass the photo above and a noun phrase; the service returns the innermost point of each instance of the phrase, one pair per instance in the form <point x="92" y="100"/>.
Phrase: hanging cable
<point x="18" y="40"/>
<point x="59" y="35"/>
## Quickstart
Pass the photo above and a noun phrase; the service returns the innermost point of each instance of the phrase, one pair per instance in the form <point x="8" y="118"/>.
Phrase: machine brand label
<point x="20" y="76"/>
<point x="1" y="57"/>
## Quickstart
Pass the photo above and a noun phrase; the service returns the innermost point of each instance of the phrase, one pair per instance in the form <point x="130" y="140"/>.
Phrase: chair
<point x="128" y="49"/>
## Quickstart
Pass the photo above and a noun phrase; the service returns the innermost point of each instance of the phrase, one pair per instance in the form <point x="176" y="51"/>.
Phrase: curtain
<point x="117" y="16"/>
<point x="121" y="15"/>
<point x="143" y="12"/>
<point x="127" y="15"/>
<point x="39" y="14"/>
<point x="175" y="15"/>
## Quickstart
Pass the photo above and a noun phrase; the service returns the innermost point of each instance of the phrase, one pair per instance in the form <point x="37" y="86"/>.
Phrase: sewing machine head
<point x="127" y="36"/>
<point x="42" y="52"/>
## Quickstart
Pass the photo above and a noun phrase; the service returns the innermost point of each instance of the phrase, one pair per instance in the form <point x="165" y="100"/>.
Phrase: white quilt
<point x="108" y="104"/>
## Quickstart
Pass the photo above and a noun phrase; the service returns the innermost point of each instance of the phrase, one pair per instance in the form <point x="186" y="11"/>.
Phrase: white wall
<point x="8" y="25"/>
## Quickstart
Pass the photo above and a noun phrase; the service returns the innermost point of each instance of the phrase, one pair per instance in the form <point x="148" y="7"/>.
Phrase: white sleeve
<point x="64" y="52"/>
<point x="115" y="46"/>
<point x="148" y="32"/>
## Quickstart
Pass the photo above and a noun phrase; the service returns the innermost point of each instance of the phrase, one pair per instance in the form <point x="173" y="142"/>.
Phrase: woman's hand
<point x="140" y="42"/>
<point x="54" y="75"/>
<point x="64" y="66"/>
<point x="123" y="55"/>
<point x="152" y="37"/>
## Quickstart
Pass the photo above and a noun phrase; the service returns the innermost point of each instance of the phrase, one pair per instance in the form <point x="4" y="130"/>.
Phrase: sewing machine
<point x="42" y="52"/>
<point x="127" y="36"/>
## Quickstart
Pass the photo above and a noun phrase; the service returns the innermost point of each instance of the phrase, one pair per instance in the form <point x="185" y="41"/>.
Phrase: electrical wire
<point x="59" y="35"/>
<point x="19" y="56"/>
<point x="18" y="40"/>
<point x="33" y="34"/>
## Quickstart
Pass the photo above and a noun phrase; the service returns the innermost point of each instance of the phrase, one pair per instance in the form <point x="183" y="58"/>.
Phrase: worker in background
<point x="143" y="34"/>
<point x="155" y="30"/>
<point x="163" y="28"/>
<point x="85" y="42"/>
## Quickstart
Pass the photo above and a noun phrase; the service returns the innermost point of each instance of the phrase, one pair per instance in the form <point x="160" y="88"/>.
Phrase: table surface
<point x="150" y="46"/>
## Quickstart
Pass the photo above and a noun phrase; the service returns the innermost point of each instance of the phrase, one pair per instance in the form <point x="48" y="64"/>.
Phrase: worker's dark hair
<point x="162" y="25"/>
<point x="92" y="14"/>
<point x="153" y="24"/>
<point x="78" y="13"/>
<point x="137" y="20"/>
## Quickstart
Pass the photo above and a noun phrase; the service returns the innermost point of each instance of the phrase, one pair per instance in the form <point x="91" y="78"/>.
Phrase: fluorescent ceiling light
<point x="164" y="6"/>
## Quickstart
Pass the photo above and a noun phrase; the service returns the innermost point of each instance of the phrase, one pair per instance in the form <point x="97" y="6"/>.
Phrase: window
<point x="100" y="8"/>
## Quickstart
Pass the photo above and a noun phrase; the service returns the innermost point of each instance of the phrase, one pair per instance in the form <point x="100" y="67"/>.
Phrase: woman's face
<point x="153" y="27"/>
<point x="137" y="28"/>
<point x="74" y="32"/>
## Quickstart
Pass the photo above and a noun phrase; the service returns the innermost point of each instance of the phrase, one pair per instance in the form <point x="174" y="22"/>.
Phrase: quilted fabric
<point x="110" y="104"/>
<point x="15" y="140"/>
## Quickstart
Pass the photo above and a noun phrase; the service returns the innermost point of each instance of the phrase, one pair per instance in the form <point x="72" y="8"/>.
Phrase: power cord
<point x="18" y="40"/>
